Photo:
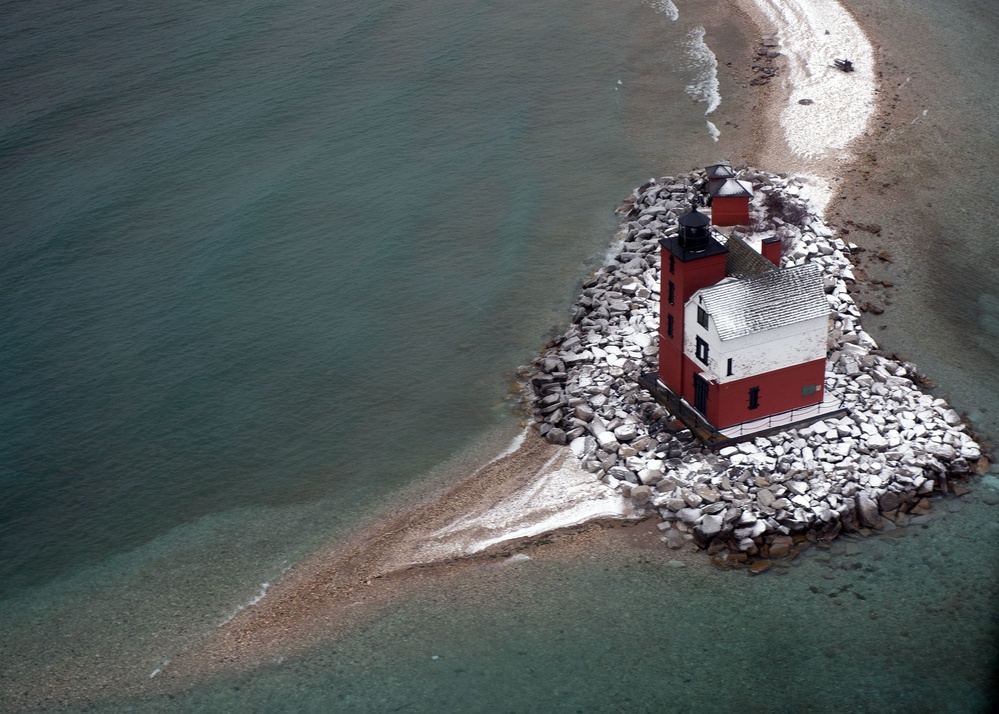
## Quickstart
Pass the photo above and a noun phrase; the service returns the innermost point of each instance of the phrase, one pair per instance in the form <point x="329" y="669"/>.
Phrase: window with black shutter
<point x="702" y="351"/>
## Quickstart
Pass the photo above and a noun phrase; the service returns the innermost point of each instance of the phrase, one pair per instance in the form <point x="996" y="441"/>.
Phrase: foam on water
<point x="264" y="587"/>
<point x="665" y="7"/>
<point x="515" y="443"/>
<point x="704" y="88"/>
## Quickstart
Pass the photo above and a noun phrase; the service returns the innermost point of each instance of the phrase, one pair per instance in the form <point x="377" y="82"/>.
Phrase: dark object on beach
<point x="843" y="64"/>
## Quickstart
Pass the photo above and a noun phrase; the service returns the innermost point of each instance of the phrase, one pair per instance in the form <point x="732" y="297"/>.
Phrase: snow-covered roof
<point x="765" y="302"/>
<point x="719" y="171"/>
<point x="731" y="188"/>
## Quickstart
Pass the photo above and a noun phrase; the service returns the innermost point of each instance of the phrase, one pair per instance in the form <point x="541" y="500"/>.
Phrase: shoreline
<point x="375" y="566"/>
<point x="811" y="97"/>
<point x="405" y="549"/>
<point x="333" y="592"/>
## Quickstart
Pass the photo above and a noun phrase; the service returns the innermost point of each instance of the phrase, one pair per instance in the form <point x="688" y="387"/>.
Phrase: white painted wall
<point x="756" y="353"/>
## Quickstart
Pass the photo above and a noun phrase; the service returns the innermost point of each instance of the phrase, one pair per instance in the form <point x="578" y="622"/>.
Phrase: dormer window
<point x="702" y="317"/>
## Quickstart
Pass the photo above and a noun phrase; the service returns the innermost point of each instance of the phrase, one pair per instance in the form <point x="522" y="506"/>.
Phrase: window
<point x="672" y="292"/>
<point x="729" y="374"/>
<point x="672" y="263"/>
<point x="809" y="389"/>
<point x="754" y="397"/>
<point x="702" y="317"/>
<point x="702" y="350"/>
<point x="669" y="325"/>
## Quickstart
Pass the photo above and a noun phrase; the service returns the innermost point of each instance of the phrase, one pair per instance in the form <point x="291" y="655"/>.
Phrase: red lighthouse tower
<point x="741" y="340"/>
<point x="691" y="260"/>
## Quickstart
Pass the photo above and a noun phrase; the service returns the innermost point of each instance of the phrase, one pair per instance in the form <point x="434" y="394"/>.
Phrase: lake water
<point x="266" y="264"/>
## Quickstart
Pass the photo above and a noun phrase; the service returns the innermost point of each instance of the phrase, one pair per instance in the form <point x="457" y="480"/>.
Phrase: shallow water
<point x="263" y="255"/>
<point x="264" y="265"/>
<point x="893" y="623"/>
<point x="270" y="263"/>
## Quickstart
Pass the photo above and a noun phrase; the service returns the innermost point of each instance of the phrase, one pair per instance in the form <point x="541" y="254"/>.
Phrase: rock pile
<point x="895" y="447"/>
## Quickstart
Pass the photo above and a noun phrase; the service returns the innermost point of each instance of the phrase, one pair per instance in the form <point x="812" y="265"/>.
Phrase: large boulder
<point x="867" y="510"/>
<point x="555" y="436"/>
<point x="641" y="495"/>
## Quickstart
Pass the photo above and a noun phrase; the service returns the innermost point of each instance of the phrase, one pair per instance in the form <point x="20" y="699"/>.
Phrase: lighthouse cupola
<point x="694" y="230"/>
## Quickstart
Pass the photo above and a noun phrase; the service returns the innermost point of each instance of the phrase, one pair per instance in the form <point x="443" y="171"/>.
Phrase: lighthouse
<point x="740" y="338"/>
<point x="692" y="259"/>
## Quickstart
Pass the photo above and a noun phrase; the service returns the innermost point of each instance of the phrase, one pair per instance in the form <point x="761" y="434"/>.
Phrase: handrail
<point x="715" y="438"/>
<point x="793" y="415"/>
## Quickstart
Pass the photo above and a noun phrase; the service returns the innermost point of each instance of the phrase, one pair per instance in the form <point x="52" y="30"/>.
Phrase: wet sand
<point x="332" y="593"/>
<point x="431" y="544"/>
<point x="434" y="542"/>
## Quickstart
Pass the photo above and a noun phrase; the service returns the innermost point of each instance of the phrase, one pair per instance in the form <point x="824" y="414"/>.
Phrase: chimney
<point x="771" y="249"/>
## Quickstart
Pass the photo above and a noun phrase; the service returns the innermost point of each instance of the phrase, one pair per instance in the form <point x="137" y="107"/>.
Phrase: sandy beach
<point x="536" y="501"/>
<point x="532" y="502"/>
<point x="501" y="574"/>
<point x="538" y="496"/>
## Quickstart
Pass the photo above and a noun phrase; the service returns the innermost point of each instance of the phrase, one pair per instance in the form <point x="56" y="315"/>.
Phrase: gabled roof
<point x="719" y="171"/>
<point x="731" y="188"/>
<point x="766" y="301"/>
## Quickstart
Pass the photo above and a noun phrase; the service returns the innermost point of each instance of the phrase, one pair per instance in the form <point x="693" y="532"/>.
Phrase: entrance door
<point x="700" y="394"/>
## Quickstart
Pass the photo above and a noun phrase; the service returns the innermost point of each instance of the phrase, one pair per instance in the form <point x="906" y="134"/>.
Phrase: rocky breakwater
<point x="894" y="449"/>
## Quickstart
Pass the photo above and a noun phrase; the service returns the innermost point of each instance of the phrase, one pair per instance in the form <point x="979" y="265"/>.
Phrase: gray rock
<point x="707" y="493"/>
<point x="798" y="488"/>
<point x="674" y="539"/>
<point x="626" y="431"/>
<point x="689" y="515"/>
<point x="692" y="499"/>
<point x="712" y="524"/>
<point x="623" y="474"/>
<point x="583" y="446"/>
<point x="607" y="440"/>
<point x="640" y="495"/>
<point x="890" y="500"/>
<point x="555" y="436"/>
<point x="867" y="510"/>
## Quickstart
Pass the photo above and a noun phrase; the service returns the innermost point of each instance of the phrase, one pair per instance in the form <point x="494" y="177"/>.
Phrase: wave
<point x="702" y="60"/>
<point x="264" y="587"/>
<point x="665" y="7"/>
<point x="515" y="443"/>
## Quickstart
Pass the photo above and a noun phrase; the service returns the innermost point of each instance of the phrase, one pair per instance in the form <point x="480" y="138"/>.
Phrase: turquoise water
<point x="262" y="254"/>
<point x="265" y="264"/>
